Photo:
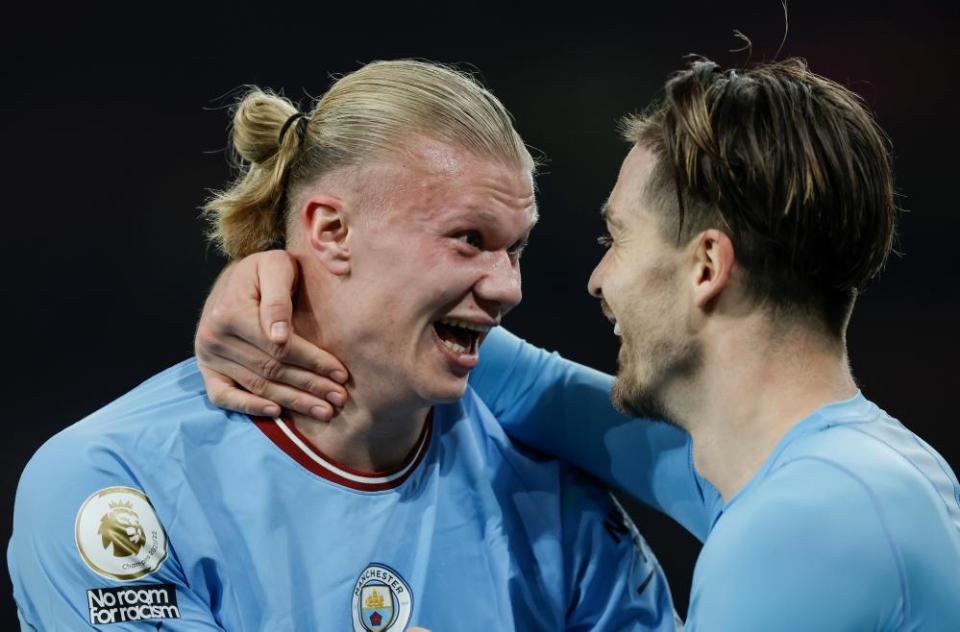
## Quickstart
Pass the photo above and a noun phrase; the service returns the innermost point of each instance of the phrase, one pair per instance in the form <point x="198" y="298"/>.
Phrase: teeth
<point x="616" y="329"/>
<point x="466" y="325"/>
<point x="454" y="346"/>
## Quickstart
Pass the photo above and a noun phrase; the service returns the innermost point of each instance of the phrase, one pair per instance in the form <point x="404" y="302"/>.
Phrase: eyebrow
<point x="492" y="217"/>
<point x="606" y="212"/>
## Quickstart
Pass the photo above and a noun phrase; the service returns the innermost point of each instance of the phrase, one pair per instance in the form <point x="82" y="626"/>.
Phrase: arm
<point x="613" y="580"/>
<point x="54" y="588"/>
<point x="563" y="409"/>
<point x="554" y="405"/>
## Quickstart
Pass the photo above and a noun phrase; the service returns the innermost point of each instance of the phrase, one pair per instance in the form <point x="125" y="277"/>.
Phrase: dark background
<point x="113" y="131"/>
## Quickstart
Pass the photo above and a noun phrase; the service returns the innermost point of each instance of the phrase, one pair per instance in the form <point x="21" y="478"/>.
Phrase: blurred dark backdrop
<point x="113" y="131"/>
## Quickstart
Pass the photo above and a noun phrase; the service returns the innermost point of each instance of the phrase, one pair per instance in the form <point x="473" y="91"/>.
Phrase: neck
<point x="750" y="395"/>
<point x="378" y="426"/>
<point x="363" y="439"/>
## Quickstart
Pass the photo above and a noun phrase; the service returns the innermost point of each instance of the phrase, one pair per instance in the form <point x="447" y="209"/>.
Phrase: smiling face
<point x="641" y="283"/>
<point x="434" y="264"/>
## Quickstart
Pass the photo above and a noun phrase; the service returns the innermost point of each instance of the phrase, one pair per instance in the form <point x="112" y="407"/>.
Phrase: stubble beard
<point x="646" y="397"/>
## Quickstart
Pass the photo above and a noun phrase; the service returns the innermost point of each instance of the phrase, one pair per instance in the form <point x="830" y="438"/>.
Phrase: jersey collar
<point x="286" y="436"/>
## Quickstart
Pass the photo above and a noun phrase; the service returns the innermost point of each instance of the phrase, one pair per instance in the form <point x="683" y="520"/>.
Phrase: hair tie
<point x="301" y="126"/>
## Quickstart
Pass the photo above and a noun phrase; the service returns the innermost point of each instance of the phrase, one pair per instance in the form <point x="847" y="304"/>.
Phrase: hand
<point x="250" y="358"/>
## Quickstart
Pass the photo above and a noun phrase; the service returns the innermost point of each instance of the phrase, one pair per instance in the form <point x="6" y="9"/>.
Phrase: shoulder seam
<point x="784" y="451"/>
<point x="857" y="427"/>
<point x="916" y="439"/>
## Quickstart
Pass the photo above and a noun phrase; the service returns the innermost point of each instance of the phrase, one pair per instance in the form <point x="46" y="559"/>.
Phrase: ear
<point x="713" y="262"/>
<point x="326" y="230"/>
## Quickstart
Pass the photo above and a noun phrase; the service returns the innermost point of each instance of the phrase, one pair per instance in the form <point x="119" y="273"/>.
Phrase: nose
<point x="500" y="284"/>
<point x="595" y="284"/>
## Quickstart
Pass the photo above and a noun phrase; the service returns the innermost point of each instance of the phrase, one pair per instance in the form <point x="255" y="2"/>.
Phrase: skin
<point x="639" y="281"/>
<point x="266" y="359"/>
<point x="385" y="250"/>
<point x="697" y="349"/>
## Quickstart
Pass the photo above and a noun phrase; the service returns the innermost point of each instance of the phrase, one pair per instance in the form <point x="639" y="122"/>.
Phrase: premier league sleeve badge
<point x="119" y="535"/>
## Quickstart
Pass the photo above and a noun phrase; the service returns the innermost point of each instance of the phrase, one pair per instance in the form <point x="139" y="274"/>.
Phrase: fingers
<point x="303" y="353"/>
<point x="294" y="388"/>
<point x="225" y="383"/>
<point x="276" y="279"/>
<point x="315" y="380"/>
<point x="218" y="330"/>
<point x="245" y="341"/>
<point x="224" y="393"/>
<point x="284" y="363"/>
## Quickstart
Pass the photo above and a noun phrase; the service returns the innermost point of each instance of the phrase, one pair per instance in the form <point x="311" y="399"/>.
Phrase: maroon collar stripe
<point x="290" y="440"/>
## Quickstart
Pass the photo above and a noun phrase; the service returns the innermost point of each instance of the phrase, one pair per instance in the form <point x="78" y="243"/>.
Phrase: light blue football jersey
<point x="852" y="523"/>
<point x="161" y="511"/>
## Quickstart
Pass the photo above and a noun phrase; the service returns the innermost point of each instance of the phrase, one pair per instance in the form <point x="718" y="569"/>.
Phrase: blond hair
<point x="365" y="114"/>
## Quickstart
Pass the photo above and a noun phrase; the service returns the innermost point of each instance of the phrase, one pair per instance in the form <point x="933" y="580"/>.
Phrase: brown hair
<point x="364" y="115"/>
<point x="792" y="166"/>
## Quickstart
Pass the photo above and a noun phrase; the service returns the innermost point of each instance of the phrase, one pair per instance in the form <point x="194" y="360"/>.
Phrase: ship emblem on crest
<point x="382" y="600"/>
<point x="377" y="613"/>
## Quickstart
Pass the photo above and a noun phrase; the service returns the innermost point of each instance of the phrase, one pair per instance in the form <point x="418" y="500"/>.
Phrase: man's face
<point x="641" y="283"/>
<point x="435" y="265"/>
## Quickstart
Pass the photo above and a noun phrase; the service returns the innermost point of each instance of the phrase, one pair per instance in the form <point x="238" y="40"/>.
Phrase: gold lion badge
<point x="121" y="527"/>
<point x="119" y="535"/>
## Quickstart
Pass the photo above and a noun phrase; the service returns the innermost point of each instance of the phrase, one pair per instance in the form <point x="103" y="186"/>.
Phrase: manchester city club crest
<point x="382" y="600"/>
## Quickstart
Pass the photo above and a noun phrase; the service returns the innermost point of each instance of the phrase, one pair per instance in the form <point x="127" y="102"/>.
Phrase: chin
<point x="640" y="389"/>
<point x="634" y="400"/>
<point x="444" y="391"/>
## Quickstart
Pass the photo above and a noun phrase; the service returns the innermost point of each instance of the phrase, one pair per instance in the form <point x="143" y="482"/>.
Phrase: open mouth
<point x="460" y="336"/>
<point x="617" y="330"/>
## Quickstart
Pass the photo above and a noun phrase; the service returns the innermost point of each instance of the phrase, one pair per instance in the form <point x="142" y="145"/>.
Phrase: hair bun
<point x="257" y="122"/>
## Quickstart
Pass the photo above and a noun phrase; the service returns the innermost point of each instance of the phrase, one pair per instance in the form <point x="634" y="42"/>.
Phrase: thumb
<point x="276" y="279"/>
